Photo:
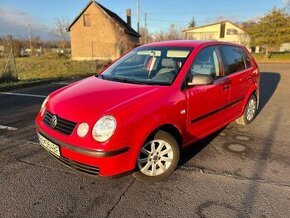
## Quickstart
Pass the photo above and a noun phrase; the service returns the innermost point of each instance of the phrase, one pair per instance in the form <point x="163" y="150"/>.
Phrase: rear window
<point x="233" y="58"/>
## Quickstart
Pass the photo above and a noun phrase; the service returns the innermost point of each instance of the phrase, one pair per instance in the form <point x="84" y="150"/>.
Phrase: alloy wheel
<point x="155" y="157"/>
<point x="251" y="111"/>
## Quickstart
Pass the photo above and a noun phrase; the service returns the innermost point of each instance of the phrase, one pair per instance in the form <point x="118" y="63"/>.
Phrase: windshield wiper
<point x="130" y="80"/>
<point x="117" y="78"/>
<point x="126" y="80"/>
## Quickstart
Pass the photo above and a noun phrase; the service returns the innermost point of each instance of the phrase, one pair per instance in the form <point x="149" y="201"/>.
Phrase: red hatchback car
<point x="155" y="100"/>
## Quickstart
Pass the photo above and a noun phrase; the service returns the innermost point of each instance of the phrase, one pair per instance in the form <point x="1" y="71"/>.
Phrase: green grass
<point x="36" y="69"/>
<point x="50" y="68"/>
<point x="275" y="57"/>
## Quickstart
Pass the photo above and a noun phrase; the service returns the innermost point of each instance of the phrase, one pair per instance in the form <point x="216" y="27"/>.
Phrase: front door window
<point x="206" y="63"/>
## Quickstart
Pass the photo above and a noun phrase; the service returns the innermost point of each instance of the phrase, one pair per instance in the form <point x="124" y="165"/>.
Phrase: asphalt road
<point x="241" y="171"/>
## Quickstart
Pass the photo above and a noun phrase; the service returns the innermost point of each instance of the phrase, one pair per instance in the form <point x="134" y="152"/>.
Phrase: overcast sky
<point x="15" y="15"/>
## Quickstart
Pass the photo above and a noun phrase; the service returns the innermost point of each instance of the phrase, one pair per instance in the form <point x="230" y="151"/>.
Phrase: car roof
<point x="188" y="43"/>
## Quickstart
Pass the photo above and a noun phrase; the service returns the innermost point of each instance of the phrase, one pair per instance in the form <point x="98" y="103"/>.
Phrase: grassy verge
<point x="35" y="70"/>
<point x="49" y="68"/>
<point x="275" y="57"/>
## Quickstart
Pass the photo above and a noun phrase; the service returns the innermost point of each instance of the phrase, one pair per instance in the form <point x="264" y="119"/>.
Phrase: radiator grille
<point x="63" y="126"/>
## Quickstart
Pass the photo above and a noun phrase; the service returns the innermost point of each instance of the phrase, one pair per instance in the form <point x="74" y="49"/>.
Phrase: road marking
<point x="7" y="128"/>
<point x="23" y="94"/>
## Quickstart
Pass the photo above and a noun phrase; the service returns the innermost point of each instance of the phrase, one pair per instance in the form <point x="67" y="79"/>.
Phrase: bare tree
<point x="173" y="33"/>
<point x="61" y="31"/>
<point x="244" y="39"/>
<point x="145" y="36"/>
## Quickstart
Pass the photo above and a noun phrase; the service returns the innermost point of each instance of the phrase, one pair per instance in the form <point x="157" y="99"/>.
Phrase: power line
<point x="169" y="21"/>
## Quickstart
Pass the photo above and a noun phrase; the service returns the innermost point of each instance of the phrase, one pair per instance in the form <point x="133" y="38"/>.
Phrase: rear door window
<point x="233" y="59"/>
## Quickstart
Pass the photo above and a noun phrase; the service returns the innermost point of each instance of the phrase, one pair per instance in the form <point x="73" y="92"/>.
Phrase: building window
<point x="232" y="32"/>
<point x="192" y="36"/>
<point x="87" y="19"/>
<point x="207" y="36"/>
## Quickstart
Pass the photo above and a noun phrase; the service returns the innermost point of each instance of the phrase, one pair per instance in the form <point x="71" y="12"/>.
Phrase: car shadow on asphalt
<point x="192" y="150"/>
<point x="268" y="84"/>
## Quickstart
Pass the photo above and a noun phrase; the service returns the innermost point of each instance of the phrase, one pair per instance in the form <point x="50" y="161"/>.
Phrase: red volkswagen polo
<point x="139" y="112"/>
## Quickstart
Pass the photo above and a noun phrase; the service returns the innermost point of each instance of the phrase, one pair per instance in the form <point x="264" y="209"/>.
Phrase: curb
<point x="37" y="83"/>
<point x="25" y="85"/>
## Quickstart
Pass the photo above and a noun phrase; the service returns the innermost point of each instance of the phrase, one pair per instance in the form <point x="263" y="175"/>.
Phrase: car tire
<point x="249" y="112"/>
<point x="158" y="158"/>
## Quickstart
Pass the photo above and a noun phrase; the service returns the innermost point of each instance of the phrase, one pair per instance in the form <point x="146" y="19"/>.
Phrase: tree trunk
<point x="63" y="44"/>
<point x="266" y="53"/>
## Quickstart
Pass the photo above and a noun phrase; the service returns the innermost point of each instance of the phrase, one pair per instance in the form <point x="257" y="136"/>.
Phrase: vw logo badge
<point x="53" y="121"/>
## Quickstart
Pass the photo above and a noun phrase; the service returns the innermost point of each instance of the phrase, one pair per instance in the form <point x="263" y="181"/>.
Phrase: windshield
<point x="149" y="65"/>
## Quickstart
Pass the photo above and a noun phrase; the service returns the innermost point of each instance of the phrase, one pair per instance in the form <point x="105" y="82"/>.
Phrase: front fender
<point x="139" y="120"/>
<point x="149" y="125"/>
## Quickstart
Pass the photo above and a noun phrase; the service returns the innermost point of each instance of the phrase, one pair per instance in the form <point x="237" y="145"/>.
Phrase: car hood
<point x="93" y="97"/>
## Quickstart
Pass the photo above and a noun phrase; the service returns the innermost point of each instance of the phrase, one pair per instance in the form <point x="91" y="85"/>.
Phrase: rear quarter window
<point x="233" y="59"/>
<point x="247" y="59"/>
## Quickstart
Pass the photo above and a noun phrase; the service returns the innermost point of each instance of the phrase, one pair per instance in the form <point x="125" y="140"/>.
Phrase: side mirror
<point x="200" y="79"/>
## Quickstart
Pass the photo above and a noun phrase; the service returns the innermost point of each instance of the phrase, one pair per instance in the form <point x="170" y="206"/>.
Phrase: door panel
<point x="236" y="71"/>
<point x="206" y="105"/>
<point x="238" y="88"/>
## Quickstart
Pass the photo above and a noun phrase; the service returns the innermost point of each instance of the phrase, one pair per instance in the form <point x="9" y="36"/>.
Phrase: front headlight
<point x="104" y="128"/>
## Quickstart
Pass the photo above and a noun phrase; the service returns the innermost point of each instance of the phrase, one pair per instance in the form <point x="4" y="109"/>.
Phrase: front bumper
<point x="94" y="153"/>
<point x="95" y="162"/>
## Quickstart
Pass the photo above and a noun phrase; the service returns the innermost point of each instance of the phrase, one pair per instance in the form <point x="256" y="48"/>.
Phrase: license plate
<point x="48" y="145"/>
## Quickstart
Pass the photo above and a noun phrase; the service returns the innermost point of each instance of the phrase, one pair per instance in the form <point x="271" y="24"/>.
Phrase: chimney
<point x="128" y="12"/>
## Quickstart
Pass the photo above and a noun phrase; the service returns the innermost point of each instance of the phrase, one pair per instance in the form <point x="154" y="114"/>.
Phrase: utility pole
<point x="29" y="34"/>
<point x="138" y="16"/>
<point x="146" y="33"/>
